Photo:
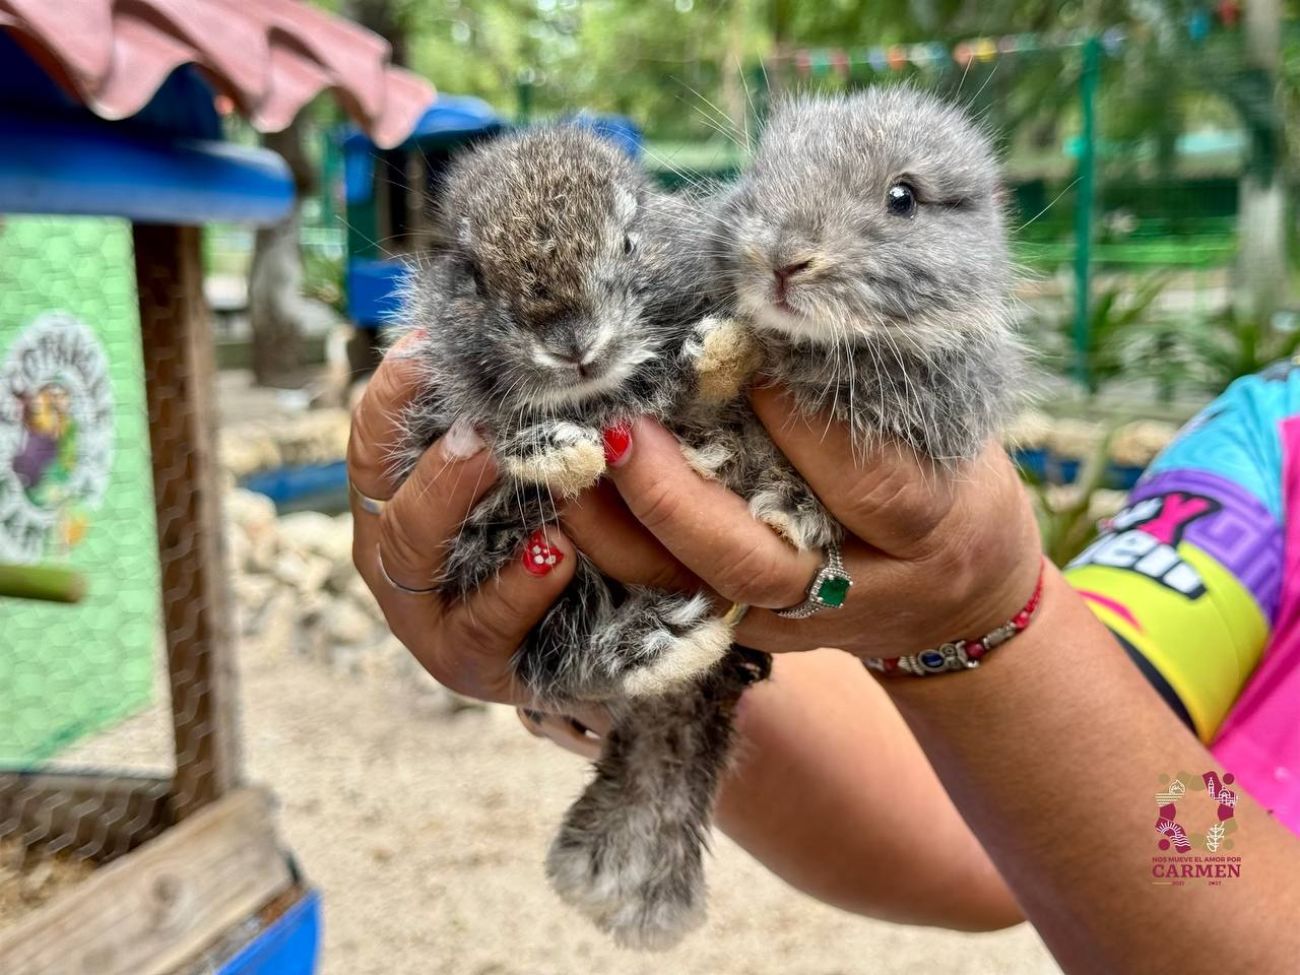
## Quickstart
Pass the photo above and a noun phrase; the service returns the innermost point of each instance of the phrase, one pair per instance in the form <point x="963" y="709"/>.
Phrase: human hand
<point x="935" y="556"/>
<point x="399" y="549"/>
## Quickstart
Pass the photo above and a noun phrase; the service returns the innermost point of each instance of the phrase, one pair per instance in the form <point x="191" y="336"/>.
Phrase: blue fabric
<point x="618" y="129"/>
<point x="1237" y="436"/>
<point x="449" y="116"/>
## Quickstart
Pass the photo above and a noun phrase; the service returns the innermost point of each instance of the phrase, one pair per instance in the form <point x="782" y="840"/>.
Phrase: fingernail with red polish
<point x="618" y="442"/>
<point x="539" y="556"/>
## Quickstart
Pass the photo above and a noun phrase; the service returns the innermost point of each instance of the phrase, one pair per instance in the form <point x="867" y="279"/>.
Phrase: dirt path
<point x="426" y="835"/>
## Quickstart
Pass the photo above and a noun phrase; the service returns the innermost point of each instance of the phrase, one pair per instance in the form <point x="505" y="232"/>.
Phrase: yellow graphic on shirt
<point x="1205" y="647"/>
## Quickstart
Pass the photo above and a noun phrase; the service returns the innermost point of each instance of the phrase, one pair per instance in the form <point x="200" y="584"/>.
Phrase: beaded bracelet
<point x="961" y="654"/>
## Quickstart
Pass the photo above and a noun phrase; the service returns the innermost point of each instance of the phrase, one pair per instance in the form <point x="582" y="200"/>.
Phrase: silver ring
<point x="371" y="506"/>
<point x="828" y="589"/>
<point x="379" y="558"/>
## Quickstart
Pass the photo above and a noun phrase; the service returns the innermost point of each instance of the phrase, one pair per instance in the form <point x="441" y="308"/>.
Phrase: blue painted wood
<point x="181" y="107"/>
<point x="95" y="168"/>
<point x="287" y="485"/>
<point x="289" y="946"/>
<point x="1045" y="466"/>
<point x="372" y="285"/>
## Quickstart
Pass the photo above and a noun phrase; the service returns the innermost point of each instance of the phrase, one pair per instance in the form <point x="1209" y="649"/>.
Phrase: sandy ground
<point x="425" y="832"/>
<point x="426" y="835"/>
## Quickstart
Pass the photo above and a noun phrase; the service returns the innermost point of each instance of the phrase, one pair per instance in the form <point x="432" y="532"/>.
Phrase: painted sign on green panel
<point x="75" y="484"/>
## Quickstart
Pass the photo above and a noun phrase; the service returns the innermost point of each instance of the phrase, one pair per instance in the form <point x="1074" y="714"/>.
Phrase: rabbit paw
<point x="725" y="354"/>
<point x="804" y="527"/>
<point x="680" y="641"/>
<point x="640" y="898"/>
<point x="563" y="456"/>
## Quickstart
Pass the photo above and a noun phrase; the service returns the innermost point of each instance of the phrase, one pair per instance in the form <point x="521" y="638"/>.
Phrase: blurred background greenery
<point x="1150" y="148"/>
<point x="1192" y="107"/>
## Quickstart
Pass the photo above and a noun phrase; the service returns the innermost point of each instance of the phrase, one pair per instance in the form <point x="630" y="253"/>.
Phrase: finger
<point x="423" y="517"/>
<point x="705" y="526"/>
<point x="601" y="525"/>
<point x="879" y="590"/>
<point x="376" y="421"/>
<point x="562" y="731"/>
<point x="885" y="494"/>
<point x="482" y="632"/>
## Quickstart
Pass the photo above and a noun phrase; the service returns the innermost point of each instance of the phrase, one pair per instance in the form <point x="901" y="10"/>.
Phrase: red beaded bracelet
<point x="961" y="654"/>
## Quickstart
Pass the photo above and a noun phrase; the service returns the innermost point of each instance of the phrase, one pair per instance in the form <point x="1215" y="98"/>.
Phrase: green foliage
<point x="1122" y="337"/>
<point x="681" y="67"/>
<point x="1220" y="348"/>
<point x="323" y="277"/>
<point x="1065" y="519"/>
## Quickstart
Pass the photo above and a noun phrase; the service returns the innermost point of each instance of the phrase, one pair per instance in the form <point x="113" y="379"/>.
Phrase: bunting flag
<point x="934" y="54"/>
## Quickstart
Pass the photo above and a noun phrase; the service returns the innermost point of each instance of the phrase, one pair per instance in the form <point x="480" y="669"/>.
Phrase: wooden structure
<point x="189" y="856"/>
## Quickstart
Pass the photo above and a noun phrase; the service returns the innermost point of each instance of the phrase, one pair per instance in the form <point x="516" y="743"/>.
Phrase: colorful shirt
<point x="1199" y="578"/>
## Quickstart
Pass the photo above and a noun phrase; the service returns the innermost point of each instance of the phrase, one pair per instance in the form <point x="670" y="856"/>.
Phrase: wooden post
<point x="178" y="360"/>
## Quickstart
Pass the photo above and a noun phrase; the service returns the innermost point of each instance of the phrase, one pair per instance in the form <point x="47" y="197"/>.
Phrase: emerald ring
<point x="828" y="589"/>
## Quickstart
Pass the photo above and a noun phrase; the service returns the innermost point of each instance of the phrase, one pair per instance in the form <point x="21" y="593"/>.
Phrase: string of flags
<point x="933" y="54"/>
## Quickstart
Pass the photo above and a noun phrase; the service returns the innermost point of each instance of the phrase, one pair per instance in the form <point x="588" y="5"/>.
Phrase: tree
<point x="277" y="309"/>
<point x="1262" y="208"/>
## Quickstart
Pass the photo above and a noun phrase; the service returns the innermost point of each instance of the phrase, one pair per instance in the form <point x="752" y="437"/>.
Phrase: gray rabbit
<point x="866" y="256"/>
<point x="555" y="307"/>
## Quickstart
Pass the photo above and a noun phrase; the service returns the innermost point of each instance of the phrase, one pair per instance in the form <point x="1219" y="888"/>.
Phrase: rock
<point x="1105" y="504"/>
<point x="247" y="448"/>
<point x="1076" y="438"/>
<point x="238" y="548"/>
<point x="345" y="622"/>
<point x="315" y="437"/>
<point x="1136" y="444"/>
<point x="302" y="571"/>
<point x="357" y="590"/>
<point x="254" y="516"/>
<point x="253" y="594"/>
<point x="1028" y="431"/>
<point x="344" y="577"/>
<point x="308" y="531"/>
<point x="251" y="511"/>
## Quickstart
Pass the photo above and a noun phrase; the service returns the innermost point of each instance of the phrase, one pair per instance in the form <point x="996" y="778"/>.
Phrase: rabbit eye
<point x="901" y="200"/>
<point x="476" y="275"/>
<point x="628" y="246"/>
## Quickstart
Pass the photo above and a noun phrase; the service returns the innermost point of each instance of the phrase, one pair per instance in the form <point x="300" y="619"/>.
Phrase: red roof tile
<point x="270" y="56"/>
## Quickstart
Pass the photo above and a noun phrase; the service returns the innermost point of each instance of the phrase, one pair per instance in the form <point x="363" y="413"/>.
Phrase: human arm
<point x="830" y="791"/>
<point x="1052" y="748"/>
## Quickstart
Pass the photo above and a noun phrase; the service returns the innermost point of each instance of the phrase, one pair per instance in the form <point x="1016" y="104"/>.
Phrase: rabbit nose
<point x="784" y="273"/>
<point x="788" y="271"/>
<point x="579" y="355"/>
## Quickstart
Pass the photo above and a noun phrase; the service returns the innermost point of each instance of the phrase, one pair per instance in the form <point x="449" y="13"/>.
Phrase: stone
<point x="247" y="448"/>
<point x="251" y="511"/>
<point x="345" y="622"/>
<point x="1136" y="444"/>
<point x="306" y="531"/>
<point x="833" y="591"/>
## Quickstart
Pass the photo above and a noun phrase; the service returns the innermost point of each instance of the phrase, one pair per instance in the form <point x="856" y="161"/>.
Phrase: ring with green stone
<point x="828" y="589"/>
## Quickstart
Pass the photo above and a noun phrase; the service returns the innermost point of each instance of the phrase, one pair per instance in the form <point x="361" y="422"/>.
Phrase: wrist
<point x="995" y="575"/>
<point x="1007" y="679"/>
<point x="968" y="652"/>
